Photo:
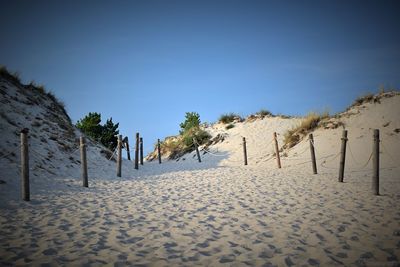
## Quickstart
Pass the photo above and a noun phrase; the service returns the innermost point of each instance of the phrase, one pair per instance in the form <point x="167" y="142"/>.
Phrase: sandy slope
<point x="219" y="212"/>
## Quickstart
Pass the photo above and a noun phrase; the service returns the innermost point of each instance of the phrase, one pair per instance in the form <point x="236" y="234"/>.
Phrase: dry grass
<point x="309" y="123"/>
<point x="264" y="112"/>
<point x="363" y="99"/>
<point x="14" y="77"/>
<point x="229" y="118"/>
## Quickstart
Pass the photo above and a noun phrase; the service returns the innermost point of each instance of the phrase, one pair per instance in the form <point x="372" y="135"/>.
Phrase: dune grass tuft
<point x="309" y="123"/>
<point x="264" y="113"/>
<point x="229" y="118"/>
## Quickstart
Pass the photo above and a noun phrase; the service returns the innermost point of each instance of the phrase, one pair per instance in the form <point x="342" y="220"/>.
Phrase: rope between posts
<point x="258" y="157"/>
<point x="332" y="159"/>
<point x="45" y="158"/>
<point x="216" y="155"/>
<point x="115" y="150"/>
<point x="2" y="157"/>
<point x="351" y="154"/>
<point x="74" y="151"/>
<point x="351" y="170"/>
<point x="386" y="151"/>
<point x="37" y="153"/>
<point x="303" y="151"/>
<point x="370" y="157"/>
<point x="211" y="153"/>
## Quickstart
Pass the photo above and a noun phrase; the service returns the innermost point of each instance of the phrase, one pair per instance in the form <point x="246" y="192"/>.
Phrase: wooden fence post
<point x="244" y="151"/>
<point x="342" y="155"/>
<point x="375" y="164"/>
<point x="159" y="151"/>
<point x="128" y="151"/>
<point x="278" y="158"/>
<point x="119" y="157"/>
<point x="25" y="190"/>
<point x="197" y="149"/>
<point x="314" y="162"/>
<point x="85" y="182"/>
<point x="141" y="151"/>
<point x="137" y="152"/>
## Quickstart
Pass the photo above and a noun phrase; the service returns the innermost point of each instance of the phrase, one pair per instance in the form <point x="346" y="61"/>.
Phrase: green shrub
<point x="264" y="113"/>
<point x="200" y="135"/>
<point x="229" y="117"/>
<point x="105" y="134"/>
<point x="177" y="146"/>
<point x="192" y="119"/>
<point x="90" y="125"/>
<point x="230" y="126"/>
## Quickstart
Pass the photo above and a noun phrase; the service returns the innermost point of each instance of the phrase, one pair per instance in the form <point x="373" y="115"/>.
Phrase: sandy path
<point x="228" y="215"/>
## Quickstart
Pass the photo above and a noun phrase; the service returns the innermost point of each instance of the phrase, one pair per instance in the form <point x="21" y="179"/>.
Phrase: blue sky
<point x="146" y="63"/>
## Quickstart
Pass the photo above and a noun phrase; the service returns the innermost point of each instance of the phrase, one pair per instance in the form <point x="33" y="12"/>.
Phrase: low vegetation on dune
<point x="174" y="147"/>
<point x="57" y="104"/>
<point x="308" y="124"/>
<point x="314" y="120"/>
<point x="14" y="77"/>
<point x="105" y="134"/>
<point x="373" y="98"/>
<point x="229" y="118"/>
<point x="261" y="114"/>
<point x="229" y="126"/>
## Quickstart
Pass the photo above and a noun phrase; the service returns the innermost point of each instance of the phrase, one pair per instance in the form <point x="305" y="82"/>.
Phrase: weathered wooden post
<point x="342" y="155"/>
<point x="141" y="151"/>
<point x="137" y="152"/>
<point x="314" y="162"/>
<point x="128" y="151"/>
<point x="244" y="151"/>
<point x="85" y="182"/>
<point x="278" y="158"/>
<point x="197" y="149"/>
<point x="119" y="157"/>
<point x="375" y="163"/>
<point x="159" y="151"/>
<point x="25" y="190"/>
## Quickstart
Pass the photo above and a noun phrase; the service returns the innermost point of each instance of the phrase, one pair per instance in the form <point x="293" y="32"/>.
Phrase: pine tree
<point x="109" y="134"/>
<point x="192" y="119"/>
<point x="105" y="134"/>
<point x="90" y="125"/>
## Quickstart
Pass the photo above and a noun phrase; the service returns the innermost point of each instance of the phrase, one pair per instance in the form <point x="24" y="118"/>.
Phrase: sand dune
<point x="218" y="212"/>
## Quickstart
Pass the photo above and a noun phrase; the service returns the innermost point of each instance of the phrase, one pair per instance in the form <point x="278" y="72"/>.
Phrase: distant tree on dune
<point x="192" y="120"/>
<point x="90" y="125"/>
<point x="109" y="134"/>
<point x="105" y="134"/>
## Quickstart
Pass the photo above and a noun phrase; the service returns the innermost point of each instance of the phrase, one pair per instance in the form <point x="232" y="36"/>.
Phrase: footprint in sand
<point x="354" y="238"/>
<point x="266" y="254"/>
<point x="341" y="255"/>
<point x="205" y="253"/>
<point x="134" y="240"/>
<point x="289" y="261"/>
<point x="50" y="252"/>
<point x="204" y="244"/>
<point x="313" y="262"/>
<point x="166" y="234"/>
<point x="227" y="258"/>
<point x="320" y="237"/>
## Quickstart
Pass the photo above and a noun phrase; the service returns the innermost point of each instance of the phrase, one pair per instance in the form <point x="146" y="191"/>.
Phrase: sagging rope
<point x="386" y="151"/>
<point x="2" y="157"/>
<point x="351" y="170"/>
